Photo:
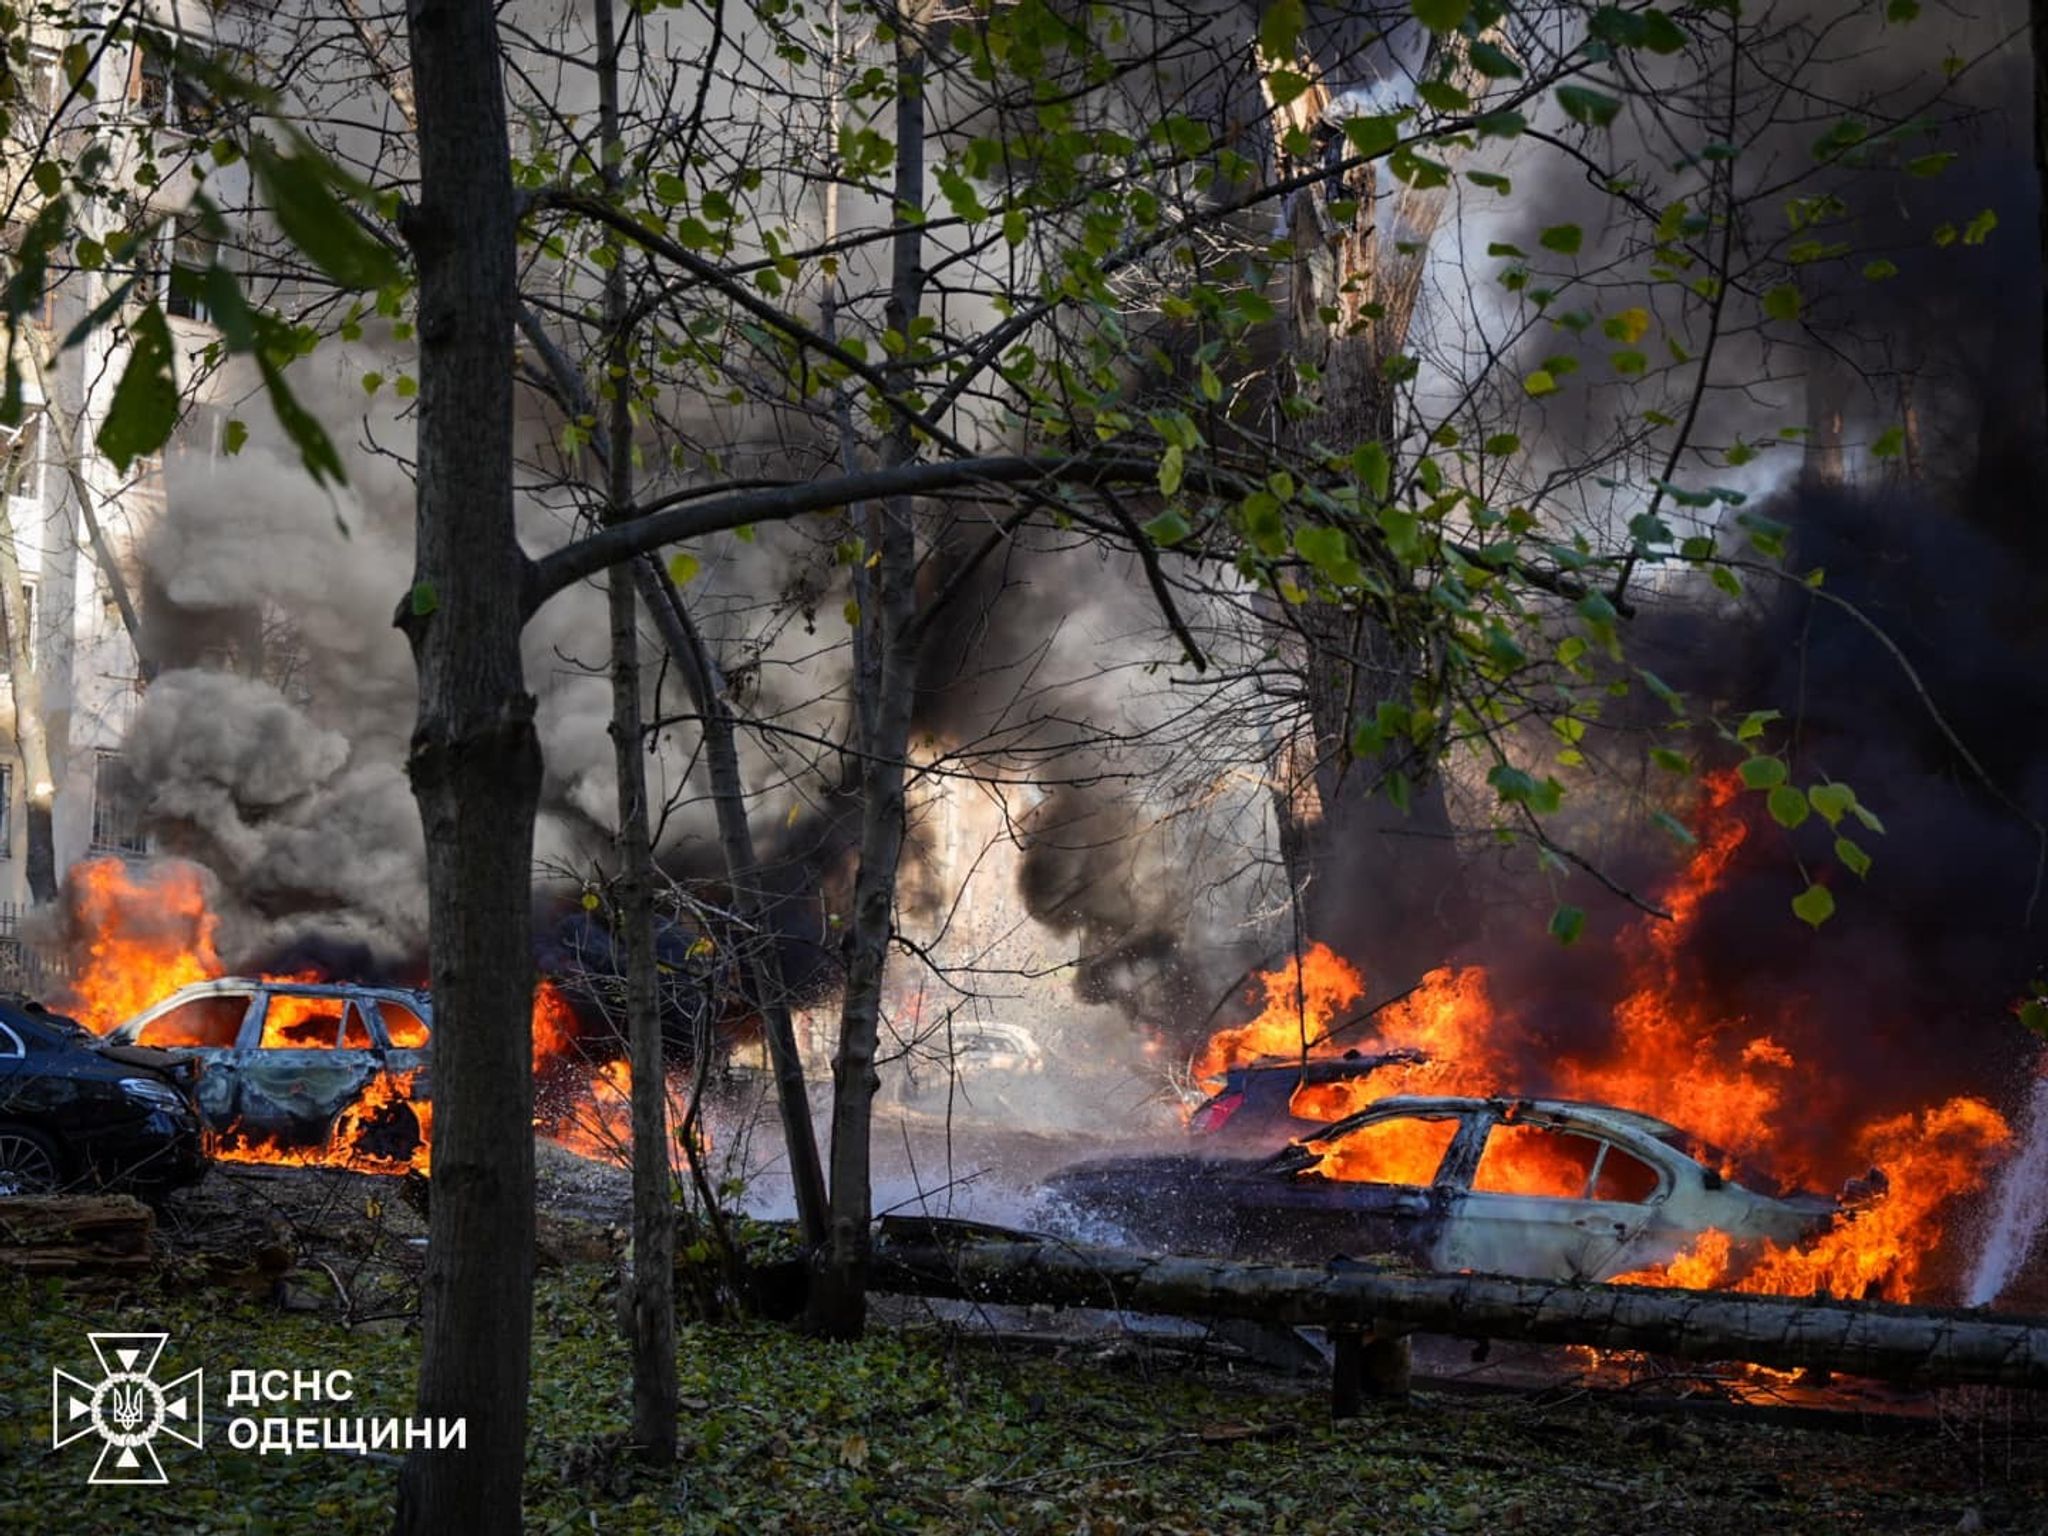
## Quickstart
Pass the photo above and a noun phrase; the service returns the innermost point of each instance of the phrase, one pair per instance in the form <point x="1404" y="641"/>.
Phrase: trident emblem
<point x="126" y="1408"/>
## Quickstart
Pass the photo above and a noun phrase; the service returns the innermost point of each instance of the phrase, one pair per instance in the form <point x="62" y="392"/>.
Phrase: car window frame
<point x="9" y="1032"/>
<point x="134" y="1030"/>
<point x="1454" y="1169"/>
<point x="252" y="1026"/>
<point x="381" y="1027"/>
<point x="1603" y="1136"/>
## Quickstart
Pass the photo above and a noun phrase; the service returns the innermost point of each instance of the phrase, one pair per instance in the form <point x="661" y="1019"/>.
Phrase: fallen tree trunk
<point x="76" y="1234"/>
<point x="1859" y="1338"/>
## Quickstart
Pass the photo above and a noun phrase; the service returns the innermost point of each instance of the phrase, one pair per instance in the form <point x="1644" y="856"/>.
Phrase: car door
<point x="1380" y="1187"/>
<point x="402" y="1034"/>
<point x="1550" y="1201"/>
<point x="208" y="1027"/>
<point x="295" y="1067"/>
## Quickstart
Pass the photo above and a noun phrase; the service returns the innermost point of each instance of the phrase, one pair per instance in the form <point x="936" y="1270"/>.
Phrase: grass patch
<point x="917" y="1431"/>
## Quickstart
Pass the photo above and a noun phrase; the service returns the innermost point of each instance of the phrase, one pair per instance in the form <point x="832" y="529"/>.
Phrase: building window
<point x="192" y="252"/>
<point x="116" y="807"/>
<point x="167" y="97"/>
<point x="22" y="448"/>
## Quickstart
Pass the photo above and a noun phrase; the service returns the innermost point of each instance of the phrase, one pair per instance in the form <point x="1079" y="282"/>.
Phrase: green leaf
<point x="235" y="436"/>
<point x="299" y="192"/>
<point x="1782" y="302"/>
<point x="2034" y="1015"/>
<point x="1661" y="34"/>
<point x="1279" y="27"/>
<point x="1369" y="462"/>
<point x="1563" y="238"/>
<point x="683" y="567"/>
<point x="1787" y="805"/>
<point x="1440" y="15"/>
<point x="1566" y="924"/>
<point x="1593" y="108"/>
<point x="1492" y="63"/>
<point x="1168" y="528"/>
<point x="1443" y="96"/>
<point x="1868" y="817"/>
<point x="145" y="404"/>
<point x="1680" y="832"/>
<point x="424" y="599"/>
<point x="1890" y="443"/>
<point x="1833" y="801"/>
<point x="1753" y="724"/>
<point x="1503" y="443"/>
<point x="1540" y="383"/>
<point x="1763" y="772"/>
<point x="1371" y="136"/>
<point x="1172" y="465"/>
<point x="1670" y="761"/>
<point x="1878" y="270"/>
<point x="1852" y="856"/>
<point x="1814" y="905"/>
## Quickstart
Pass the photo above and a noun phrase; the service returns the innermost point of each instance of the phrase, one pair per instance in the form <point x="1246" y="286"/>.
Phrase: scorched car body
<point x="282" y="1059"/>
<point x="1623" y="1191"/>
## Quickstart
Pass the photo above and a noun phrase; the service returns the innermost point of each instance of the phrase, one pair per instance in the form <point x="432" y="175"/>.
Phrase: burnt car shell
<point x="1255" y="1101"/>
<point x="76" y="1113"/>
<point x="1643" y="1199"/>
<point x="293" y="1088"/>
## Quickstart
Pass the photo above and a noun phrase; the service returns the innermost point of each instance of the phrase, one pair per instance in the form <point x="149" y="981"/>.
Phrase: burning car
<point x="76" y="1112"/>
<point x="1539" y="1188"/>
<point x="302" y="1064"/>
<point x="1256" y="1100"/>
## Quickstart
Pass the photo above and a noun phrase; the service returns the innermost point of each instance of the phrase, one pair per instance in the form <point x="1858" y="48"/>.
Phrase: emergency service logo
<point x="127" y="1408"/>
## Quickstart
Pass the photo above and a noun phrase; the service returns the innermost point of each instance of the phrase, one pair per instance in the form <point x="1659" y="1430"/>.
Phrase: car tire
<point x="30" y="1163"/>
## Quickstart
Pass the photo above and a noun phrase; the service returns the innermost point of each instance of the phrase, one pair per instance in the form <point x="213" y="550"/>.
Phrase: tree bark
<point x="76" y="1234"/>
<point x="653" y="1305"/>
<point x="2037" y="19"/>
<point x="31" y="737"/>
<point x="1861" y="1338"/>
<point x="475" y="769"/>
<point x="838" y="1302"/>
<point x="763" y="970"/>
<point x="1376" y="877"/>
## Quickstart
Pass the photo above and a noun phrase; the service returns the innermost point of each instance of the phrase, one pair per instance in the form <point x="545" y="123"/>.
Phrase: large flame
<point x="1671" y="1052"/>
<point x="140" y="932"/>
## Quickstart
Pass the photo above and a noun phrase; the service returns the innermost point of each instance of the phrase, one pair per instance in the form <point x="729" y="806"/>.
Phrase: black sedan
<point x="78" y="1114"/>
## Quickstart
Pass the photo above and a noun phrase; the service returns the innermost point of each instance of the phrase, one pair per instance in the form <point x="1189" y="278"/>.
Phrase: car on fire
<point x="1255" y="1099"/>
<point x="283" y="1061"/>
<point x="1537" y="1188"/>
<point x="78" y="1113"/>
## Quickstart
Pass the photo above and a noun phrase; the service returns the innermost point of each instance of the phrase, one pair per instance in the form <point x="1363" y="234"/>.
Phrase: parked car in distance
<point x="76" y="1113"/>
<point x="972" y="1066"/>
<point x="281" y="1060"/>
<point x="1539" y="1188"/>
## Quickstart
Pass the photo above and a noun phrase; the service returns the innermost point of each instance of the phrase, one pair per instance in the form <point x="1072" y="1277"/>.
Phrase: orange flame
<point x="1671" y="1053"/>
<point x="142" y="932"/>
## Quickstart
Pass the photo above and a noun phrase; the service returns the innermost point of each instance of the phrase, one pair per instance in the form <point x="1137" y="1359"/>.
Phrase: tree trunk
<point x="2037" y="18"/>
<point x="1377" y="874"/>
<point x="653" y="1301"/>
<point x="838" y="1303"/>
<point x="475" y="769"/>
<point x="39" y="783"/>
<point x="763" y="970"/>
<point x="1862" y="1338"/>
<point x="76" y="1234"/>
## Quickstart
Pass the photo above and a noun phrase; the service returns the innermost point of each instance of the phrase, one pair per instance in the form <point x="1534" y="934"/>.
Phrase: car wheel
<point x="28" y="1162"/>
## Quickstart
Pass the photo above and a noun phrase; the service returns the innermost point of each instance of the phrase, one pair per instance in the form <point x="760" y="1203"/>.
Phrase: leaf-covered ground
<point x="919" y="1431"/>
